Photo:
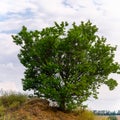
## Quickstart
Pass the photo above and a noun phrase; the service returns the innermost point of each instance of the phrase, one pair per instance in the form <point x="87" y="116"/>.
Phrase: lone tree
<point x="66" y="65"/>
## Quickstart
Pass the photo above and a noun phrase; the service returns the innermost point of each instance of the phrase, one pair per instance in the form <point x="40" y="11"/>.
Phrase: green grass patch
<point x="11" y="101"/>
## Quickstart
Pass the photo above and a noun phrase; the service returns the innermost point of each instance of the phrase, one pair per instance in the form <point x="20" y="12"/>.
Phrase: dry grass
<point x="85" y="114"/>
<point x="101" y="118"/>
<point x="10" y="101"/>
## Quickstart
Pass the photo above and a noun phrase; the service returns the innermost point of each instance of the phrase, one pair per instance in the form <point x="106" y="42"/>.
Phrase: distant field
<point x="101" y="117"/>
<point x="118" y="117"/>
<point x="105" y="117"/>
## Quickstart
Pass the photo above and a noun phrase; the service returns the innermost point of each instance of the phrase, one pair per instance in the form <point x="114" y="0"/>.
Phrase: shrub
<point x="112" y="118"/>
<point x="84" y="114"/>
<point x="2" y="110"/>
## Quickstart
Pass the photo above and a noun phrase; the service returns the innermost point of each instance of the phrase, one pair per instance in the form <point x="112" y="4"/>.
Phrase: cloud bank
<point x="37" y="14"/>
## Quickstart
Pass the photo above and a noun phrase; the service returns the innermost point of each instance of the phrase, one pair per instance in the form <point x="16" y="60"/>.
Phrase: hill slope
<point x="38" y="109"/>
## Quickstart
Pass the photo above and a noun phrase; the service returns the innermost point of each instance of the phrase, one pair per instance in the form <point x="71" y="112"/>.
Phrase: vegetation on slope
<point x="17" y="106"/>
<point x="10" y="101"/>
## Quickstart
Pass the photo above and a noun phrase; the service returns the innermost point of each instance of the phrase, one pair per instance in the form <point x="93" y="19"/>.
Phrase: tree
<point x="66" y="65"/>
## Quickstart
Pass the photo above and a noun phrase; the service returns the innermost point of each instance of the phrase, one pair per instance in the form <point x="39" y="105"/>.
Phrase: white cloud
<point x="8" y="86"/>
<point x="10" y="76"/>
<point x="11" y="72"/>
<point x="107" y="100"/>
<point x="36" y="14"/>
<point x="55" y="7"/>
<point x="15" y="6"/>
<point x="111" y="7"/>
<point x="7" y="46"/>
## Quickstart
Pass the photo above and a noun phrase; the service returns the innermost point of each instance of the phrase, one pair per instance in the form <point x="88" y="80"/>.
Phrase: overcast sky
<point x="36" y="14"/>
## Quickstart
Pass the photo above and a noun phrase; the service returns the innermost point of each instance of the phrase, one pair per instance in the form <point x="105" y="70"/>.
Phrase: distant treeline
<point x="106" y="112"/>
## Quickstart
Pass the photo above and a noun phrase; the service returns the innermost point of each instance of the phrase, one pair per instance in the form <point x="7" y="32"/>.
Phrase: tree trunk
<point x="62" y="105"/>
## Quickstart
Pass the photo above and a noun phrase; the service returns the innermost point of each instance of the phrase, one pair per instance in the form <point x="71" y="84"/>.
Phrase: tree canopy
<point x="66" y="65"/>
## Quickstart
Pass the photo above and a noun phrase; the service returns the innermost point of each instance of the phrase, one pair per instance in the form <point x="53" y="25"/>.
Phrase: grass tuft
<point x="84" y="114"/>
<point x="11" y="101"/>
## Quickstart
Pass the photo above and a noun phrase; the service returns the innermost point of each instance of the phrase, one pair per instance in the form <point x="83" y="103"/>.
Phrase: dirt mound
<point x="39" y="109"/>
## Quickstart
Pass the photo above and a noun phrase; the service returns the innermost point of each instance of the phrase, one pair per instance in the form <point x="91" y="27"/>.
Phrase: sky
<point x="37" y="14"/>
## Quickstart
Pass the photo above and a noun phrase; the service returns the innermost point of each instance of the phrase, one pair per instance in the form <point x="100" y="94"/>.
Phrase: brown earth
<point x="39" y="109"/>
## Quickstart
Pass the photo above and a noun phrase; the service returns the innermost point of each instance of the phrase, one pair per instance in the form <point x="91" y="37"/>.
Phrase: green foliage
<point x="112" y="118"/>
<point x="2" y="110"/>
<point x="66" y="65"/>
